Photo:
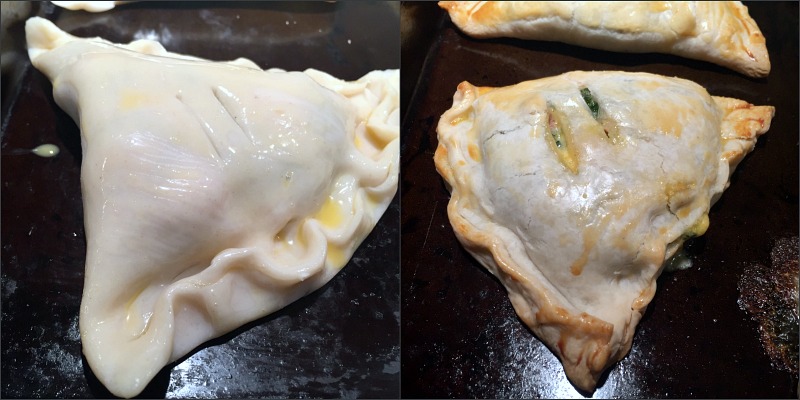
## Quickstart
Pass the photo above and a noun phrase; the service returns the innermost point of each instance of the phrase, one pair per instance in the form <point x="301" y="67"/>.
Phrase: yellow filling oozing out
<point x="698" y="229"/>
<point x="331" y="215"/>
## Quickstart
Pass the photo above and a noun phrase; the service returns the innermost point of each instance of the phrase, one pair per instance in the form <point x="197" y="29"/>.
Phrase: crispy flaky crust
<point x="585" y="343"/>
<point x="718" y="32"/>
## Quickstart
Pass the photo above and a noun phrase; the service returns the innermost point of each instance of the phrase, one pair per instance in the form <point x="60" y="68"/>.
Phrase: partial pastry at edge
<point x="718" y="32"/>
<point x="214" y="192"/>
<point x="574" y="190"/>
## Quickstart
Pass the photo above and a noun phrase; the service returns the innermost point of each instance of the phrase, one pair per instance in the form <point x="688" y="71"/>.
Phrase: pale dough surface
<point x="214" y="193"/>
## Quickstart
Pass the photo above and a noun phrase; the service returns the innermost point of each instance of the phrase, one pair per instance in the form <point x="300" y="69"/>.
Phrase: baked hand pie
<point x="574" y="190"/>
<point x="720" y="32"/>
<point x="90" y="6"/>
<point x="214" y="192"/>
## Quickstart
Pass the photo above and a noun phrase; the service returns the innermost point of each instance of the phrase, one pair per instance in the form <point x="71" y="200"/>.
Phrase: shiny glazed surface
<point x="461" y="337"/>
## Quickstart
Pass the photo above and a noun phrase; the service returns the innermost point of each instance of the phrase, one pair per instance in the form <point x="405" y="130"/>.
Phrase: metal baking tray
<point x="460" y="335"/>
<point x="340" y="341"/>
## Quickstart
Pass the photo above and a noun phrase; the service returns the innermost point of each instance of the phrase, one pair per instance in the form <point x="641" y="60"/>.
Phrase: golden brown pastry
<point x="574" y="190"/>
<point x="719" y="32"/>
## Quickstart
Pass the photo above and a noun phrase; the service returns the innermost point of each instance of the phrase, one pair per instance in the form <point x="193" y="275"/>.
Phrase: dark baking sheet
<point x="341" y="341"/>
<point x="460" y="335"/>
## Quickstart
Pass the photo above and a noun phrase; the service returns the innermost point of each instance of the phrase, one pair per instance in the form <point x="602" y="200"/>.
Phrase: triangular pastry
<point x="574" y="190"/>
<point x="214" y="192"/>
<point x="720" y="32"/>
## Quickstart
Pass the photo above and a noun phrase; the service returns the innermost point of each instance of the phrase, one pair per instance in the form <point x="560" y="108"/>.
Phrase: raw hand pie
<point x="574" y="190"/>
<point x="719" y="32"/>
<point x="214" y="192"/>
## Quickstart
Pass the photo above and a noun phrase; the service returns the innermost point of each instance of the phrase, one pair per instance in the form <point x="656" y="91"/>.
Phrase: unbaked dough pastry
<point x="214" y="192"/>
<point x="574" y="190"/>
<point x="721" y="32"/>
